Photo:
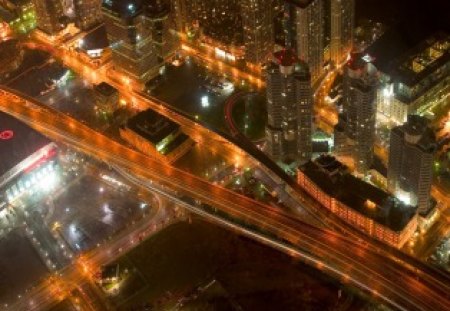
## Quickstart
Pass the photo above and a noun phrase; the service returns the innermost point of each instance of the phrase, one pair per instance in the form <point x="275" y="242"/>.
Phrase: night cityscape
<point x="244" y="155"/>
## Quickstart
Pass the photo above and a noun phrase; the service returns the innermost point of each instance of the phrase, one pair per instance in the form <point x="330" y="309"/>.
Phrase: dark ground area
<point x="175" y="266"/>
<point x="412" y="17"/>
<point x="20" y="265"/>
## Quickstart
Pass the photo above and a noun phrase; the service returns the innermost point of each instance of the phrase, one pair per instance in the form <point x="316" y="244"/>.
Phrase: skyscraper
<point x="410" y="167"/>
<point x="164" y="43"/>
<point x="257" y="23"/>
<point x="342" y="16"/>
<point x="306" y="25"/>
<point x="129" y="33"/>
<point x="289" y="105"/>
<point x="48" y="15"/>
<point x="87" y="13"/>
<point x="357" y="121"/>
<point x="179" y="11"/>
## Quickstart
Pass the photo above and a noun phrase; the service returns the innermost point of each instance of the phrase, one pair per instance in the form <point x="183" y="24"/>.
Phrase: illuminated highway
<point x="402" y="285"/>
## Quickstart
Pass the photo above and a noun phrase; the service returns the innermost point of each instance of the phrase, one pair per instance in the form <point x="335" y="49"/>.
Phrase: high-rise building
<point x="48" y="15"/>
<point x="88" y="13"/>
<point x="306" y="25"/>
<point x="179" y="11"/>
<point x="289" y="106"/>
<point x="342" y="19"/>
<point x="359" y="111"/>
<point x="129" y="33"/>
<point x="410" y="167"/>
<point x="164" y="42"/>
<point x="257" y="23"/>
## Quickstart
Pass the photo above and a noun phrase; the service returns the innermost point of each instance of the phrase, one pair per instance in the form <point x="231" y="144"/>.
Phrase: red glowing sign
<point x="5" y="135"/>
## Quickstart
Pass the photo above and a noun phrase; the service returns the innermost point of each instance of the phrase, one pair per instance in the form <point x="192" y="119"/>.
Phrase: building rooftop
<point x="286" y="57"/>
<point x="418" y="63"/>
<point x="357" y="61"/>
<point x="157" y="9"/>
<point x="335" y="180"/>
<point x="417" y="131"/>
<point x="152" y="126"/>
<point x="379" y="166"/>
<point x="124" y="9"/>
<point x="390" y="46"/>
<point x="96" y="39"/>
<point x="17" y="142"/>
<point x="105" y="89"/>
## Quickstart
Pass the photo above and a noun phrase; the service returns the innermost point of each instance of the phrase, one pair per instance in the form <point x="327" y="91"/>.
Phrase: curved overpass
<point x="399" y="285"/>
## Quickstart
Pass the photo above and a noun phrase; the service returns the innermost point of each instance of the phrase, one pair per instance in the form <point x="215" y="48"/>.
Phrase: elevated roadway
<point x="401" y="283"/>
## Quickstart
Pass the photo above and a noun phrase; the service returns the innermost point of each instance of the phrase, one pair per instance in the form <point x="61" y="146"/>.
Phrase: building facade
<point x="48" y="15"/>
<point x="88" y="13"/>
<point x="257" y="23"/>
<point x="164" y="41"/>
<point x="129" y="33"/>
<point x="410" y="167"/>
<point x="358" y="203"/>
<point x="417" y="81"/>
<point x="307" y="28"/>
<point x="342" y="23"/>
<point x="29" y="163"/>
<point x="289" y="107"/>
<point x="358" y="118"/>
<point x="156" y="136"/>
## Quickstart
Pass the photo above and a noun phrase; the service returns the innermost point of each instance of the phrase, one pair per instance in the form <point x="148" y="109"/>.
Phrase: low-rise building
<point x="94" y="47"/>
<point x="106" y="97"/>
<point x="29" y="164"/>
<point x="360" y="204"/>
<point x="156" y="136"/>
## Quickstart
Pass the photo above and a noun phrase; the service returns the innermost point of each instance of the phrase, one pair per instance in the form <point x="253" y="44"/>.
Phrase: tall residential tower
<point x="342" y="20"/>
<point x="257" y="23"/>
<point x="289" y="107"/>
<point x="306" y="27"/>
<point x="357" y="122"/>
<point x="410" y="168"/>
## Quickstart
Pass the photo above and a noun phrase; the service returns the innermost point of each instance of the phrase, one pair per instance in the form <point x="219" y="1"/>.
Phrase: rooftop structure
<point x="95" y="40"/>
<point x="17" y="142"/>
<point x="152" y="126"/>
<point x="125" y="9"/>
<point x="421" y="61"/>
<point x="156" y="136"/>
<point x="105" y="89"/>
<point x="367" y="203"/>
<point x="416" y="78"/>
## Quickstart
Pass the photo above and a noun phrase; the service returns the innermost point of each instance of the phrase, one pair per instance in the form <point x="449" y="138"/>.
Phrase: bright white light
<point x="106" y="209"/>
<point x="73" y="229"/>
<point x="131" y="7"/>
<point x="228" y="86"/>
<point x="404" y="197"/>
<point x="205" y="101"/>
<point x="48" y="181"/>
<point x="143" y="205"/>
<point x="101" y="190"/>
<point x="367" y="58"/>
